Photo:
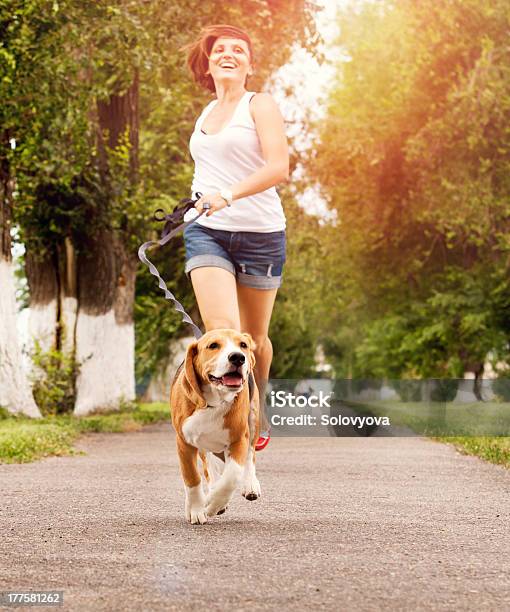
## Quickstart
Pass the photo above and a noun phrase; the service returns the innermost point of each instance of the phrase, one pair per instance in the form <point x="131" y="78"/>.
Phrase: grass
<point x="493" y="449"/>
<point x="443" y="418"/>
<point x="23" y="440"/>
<point x="478" y="428"/>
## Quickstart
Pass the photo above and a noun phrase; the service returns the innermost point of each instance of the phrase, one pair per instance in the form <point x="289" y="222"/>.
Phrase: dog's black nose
<point x="237" y="358"/>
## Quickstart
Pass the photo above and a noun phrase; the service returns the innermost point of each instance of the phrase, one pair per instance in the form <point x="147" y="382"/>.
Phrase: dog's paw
<point x="197" y="515"/>
<point x="250" y="489"/>
<point x="216" y="504"/>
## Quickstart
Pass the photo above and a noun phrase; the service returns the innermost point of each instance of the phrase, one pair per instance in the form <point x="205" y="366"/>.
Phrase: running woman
<point x="235" y="252"/>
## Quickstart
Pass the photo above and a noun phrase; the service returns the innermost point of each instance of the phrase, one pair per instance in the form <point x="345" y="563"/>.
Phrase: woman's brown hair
<point x="199" y="51"/>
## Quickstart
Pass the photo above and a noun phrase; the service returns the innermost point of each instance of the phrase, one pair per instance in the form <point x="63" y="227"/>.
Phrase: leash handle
<point x="170" y="219"/>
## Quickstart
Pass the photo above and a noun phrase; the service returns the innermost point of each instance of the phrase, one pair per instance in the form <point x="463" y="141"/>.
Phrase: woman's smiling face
<point x="230" y="60"/>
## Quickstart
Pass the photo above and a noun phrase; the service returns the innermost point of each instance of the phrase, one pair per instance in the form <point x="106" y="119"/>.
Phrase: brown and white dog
<point x="212" y="413"/>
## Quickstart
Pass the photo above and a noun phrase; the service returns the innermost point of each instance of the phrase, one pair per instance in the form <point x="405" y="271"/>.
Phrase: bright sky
<point x="309" y="79"/>
<point x="310" y="82"/>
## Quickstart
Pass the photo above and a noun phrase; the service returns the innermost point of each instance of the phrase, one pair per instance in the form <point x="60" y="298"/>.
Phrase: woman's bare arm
<point x="271" y="132"/>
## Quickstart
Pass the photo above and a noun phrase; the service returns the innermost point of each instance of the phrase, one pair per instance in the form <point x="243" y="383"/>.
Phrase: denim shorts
<point x="255" y="258"/>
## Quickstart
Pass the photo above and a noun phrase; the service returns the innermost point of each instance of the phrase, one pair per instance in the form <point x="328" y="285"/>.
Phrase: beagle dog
<point x="212" y="413"/>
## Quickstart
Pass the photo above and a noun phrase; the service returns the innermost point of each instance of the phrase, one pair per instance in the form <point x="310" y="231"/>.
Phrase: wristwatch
<point x="226" y="194"/>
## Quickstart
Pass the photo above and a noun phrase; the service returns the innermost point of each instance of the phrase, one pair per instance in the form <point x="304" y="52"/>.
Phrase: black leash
<point x="172" y="228"/>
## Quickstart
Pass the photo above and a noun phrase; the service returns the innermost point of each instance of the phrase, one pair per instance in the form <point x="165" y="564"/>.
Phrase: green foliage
<point x="56" y="210"/>
<point x="54" y="380"/>
<point x="42" y="97"/>
<point x="58" y="60"/>
<point x="413" y="156"/>
<point x="293" y="327"/>
<point x="436" y="336"/>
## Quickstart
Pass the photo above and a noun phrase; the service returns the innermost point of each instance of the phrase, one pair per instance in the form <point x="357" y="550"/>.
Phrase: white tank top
<point x="226" y="158"/>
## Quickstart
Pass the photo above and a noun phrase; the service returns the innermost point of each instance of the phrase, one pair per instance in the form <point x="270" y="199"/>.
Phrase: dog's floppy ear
<point x="190" y="381"/>
<point x="252" y="346"/>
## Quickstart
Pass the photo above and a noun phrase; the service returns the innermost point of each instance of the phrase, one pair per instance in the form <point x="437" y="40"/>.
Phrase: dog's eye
<point x="213" y="345"/>
<point x="243" y="345"/>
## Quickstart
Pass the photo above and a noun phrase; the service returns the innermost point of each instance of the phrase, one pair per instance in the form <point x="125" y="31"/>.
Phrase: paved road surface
<point x="343" y="524"/>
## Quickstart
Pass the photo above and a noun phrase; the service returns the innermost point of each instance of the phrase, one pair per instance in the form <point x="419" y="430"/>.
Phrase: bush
<point x="408" y="390"/>
<point x="444" y="390"/>
<point x="501" y="387"/>
<point x="54" y="381"/>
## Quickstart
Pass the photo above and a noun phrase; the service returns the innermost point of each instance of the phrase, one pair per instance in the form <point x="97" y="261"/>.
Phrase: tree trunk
<point x="42" y="277"/>
<point x="105" y="339"/>
<point x="15" y="392"/>
<point x="68" y="298"/>
<point x="105" y="335"/>
<point x="53" y="300"/>
<point x="477" y="384"/>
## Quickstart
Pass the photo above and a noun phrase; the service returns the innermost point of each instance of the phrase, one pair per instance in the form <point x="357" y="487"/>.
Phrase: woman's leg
<point x="215" y="290"/>
<point x="255" y="308"/>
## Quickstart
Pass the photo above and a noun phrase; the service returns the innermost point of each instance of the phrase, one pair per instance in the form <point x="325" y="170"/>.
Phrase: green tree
<point x="413" y="155"/>
<point x="31" y="91"/>
<point x="293" y="328"/>
<point x="91" y="169"/>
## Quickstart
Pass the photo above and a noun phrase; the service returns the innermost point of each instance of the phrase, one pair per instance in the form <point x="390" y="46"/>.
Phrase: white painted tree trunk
<point x="69" y="300"/>
<point x="42" y="325"/>
<point x="54" y="305"/>
<point x="15" y="392"/>
<point x="69" y="314"/>
<point x="105" y="349"/>
<point x="159" y="385"/>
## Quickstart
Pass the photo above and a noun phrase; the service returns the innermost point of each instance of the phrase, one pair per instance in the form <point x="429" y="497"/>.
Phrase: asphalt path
<point x="343" y="524"/>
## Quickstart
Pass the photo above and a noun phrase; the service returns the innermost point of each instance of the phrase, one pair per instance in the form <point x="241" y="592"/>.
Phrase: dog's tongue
<point x="232" y="380"/>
